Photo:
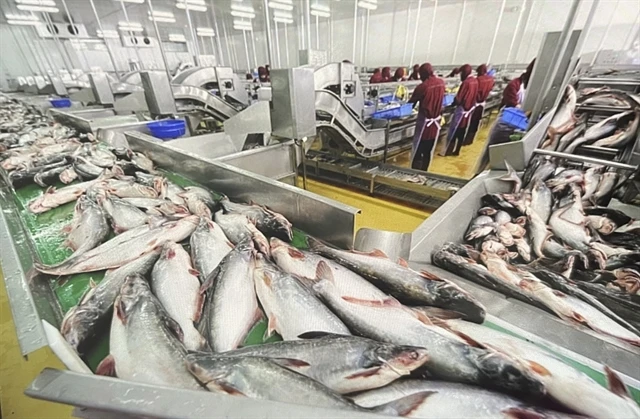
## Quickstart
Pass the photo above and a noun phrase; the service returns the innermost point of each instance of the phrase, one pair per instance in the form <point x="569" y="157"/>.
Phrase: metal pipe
<point x="355" y="28"/>
<point x="560" y="49"/>
<point x="317" y="33"/>
<point x="406" y="32"/>
<point x="366" y="39"/>
<point x="515" y="32"/>
<point x="253" y="44"/>
<point x="226" y="41"/>
<point x="307" y="16"/>
<point x="330" y="39"/>
<point x="302" y="30"/>
<point x="362" y="38"/>
<point x="269" y="40"/>
<point x="606" y="33"/>
<point x="213" y="49"/>
<point x="135" y="45"/>
<point x="64" y="54"/>
<point x="415" y="32"/>
<point x="246" y="48"/>
<point x="52" y="68"/>
<point x="275" y="30"/>
<point x="455" y="48"/>
<point x="586" y="28"/>
<point x="66" y="10"/>
<point x="215" y="25"/>
<point x="113" y="60"/>
<point x="584" y="159"/>
<point x="542" y="2"/>
<point x="286" y="44"/>
<point x="42" y="64"/>
<point x="433" y="24"/>
<point x="495" y="34"/>
<point x="24" y="57"/>
<point x="157" y="31"/>
<point x="196" y="56"/>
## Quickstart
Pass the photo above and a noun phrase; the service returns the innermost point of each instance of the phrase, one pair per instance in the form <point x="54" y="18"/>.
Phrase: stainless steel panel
<point x="111" y="395"/>
<point x="344" y="76"/>
<point x="256" y="119"/>
<point x="229" y="85"/>
<point x="84" y="124"/>
<point x="158" y="93"/>
<point x="318" y="216"/>
<point x="449" y="223"/>
<point x="208" y="146"/>
<point x="276" y="161"/>
<point x="312" y="57"/>
<point x="293" y="115"/>
<point x="58" y="86"/>
<point x="101" y="88"/>
<point x="567" y="65"/>
<point x="395" y="245"/>
<point x="202" y="98"/>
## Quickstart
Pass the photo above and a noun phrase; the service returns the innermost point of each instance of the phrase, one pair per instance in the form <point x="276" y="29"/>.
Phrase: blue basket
<point x="447" y="100"/>
<point x="64" y="102"/>
<point x="394" y="113"/>
<point x="168" y="129"/>
<point x="514" y="117"/>
<point x="386" y="98"/>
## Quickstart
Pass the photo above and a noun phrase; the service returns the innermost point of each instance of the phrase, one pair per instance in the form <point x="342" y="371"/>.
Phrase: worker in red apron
<point x="465" y="102"/>
<point x="430" y="94"/>
<point x="376" y="77"/>
<point x="485" y="84"/>
<point x="386" y="74"/>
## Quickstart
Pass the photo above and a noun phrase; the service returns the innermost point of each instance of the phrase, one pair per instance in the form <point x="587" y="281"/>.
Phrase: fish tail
<point x="405" y="405"/>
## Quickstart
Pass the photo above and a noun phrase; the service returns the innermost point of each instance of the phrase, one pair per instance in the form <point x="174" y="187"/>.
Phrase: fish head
<point x="500" y="370"/>
<point x="134" y="288"/>
<point x="397" y="359"/>
<point x="216" y="373"/>
<point x="280" y="226"/>
<point x="487" y="211"/>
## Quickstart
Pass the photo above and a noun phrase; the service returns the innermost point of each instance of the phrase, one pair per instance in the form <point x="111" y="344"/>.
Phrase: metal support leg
<point x="386" y="141"/>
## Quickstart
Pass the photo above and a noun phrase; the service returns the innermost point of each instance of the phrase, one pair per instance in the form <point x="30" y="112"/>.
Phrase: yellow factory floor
<point x="17" y="372"/>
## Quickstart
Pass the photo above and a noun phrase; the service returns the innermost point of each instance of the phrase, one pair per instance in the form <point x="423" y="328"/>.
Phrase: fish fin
<point x="170" y="253"/>
<point x="363" y="374"/>
<point x="271" y="326"/>
<point x="50" y="189"/>
<point x="291" y="363"/>
<point x="559" y="294"/>
<point x="194" y="272"/>
<point x="377" y="253"/>
<point x="316" y="335"/>
<point x="92" y="283"/>
<point x="387" y="302"/>
<point x="615" y="384"/>
<point x="199" y="306"/>
<point x="430" y="276"/>
<point x="119" y="310"/>
<point x="208" y="282"/>
<point x="173" y="326"/>
<point x="578" y="317"/>
<point x="107" y="367"/>
<point x="259" y="315"/>
<point x="405" y="405"/>
<point x="323" y="272"/>
<point x="439" y="313"/>
<point x="423" y="317"/>
<point x="229" y="389"/>
<point x="295" y="253"/>
<point x="403" y="262"/>
<point x="538" y="369"/>
<point x="522" y="413"/>
<point x="67" y="229"/>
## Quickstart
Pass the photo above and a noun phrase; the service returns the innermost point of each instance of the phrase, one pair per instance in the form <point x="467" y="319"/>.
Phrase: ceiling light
<point x="162" y="19"/>
<point x="132" y="24"/>
<point x="242" y="28"/>
<point x="29" y="8"/>
<point x="158" y="13"/>
<point x="242" y="8"/>
<point x="192" y="2"/>
<point x="22" y="17"/>
<point x="177" y="37"/>
<point x="205" y="32"/>
<point x="193" y="7"/>
<point x="90" y="41"/>
<point x="280" y="6"/>
<point x="282" y="20"/>
<point x="320" y="7"/>
<point x="130" y="1"/>
<point x="284" y="15"/>
<point x="367" y="5"/>
<point x="23" y="22"/>
<point x="50" y="3"/>
<point x="320" y="13"/>
<point x="247" y="15"/>
<point x="107" y="33"/>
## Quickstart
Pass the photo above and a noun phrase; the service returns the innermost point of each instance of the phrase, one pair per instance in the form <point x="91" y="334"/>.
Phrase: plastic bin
<point x="394" y="113"/>
<point x="515" y="117"/>
<point x="386" y="98"/>
<point x="64" y="102"/>
<point x="167" y="130"/>
<point x="447" y="100"/>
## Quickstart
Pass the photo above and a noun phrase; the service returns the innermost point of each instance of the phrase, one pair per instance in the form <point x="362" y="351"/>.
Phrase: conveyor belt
<point x="412" y="186"/>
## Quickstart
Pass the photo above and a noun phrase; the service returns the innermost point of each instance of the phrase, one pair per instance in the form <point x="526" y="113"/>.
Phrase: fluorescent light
<point x="158" y="13"/>
<point x="205" y="32"/>
<point x="239" y="22"/>
<point x="132" y="24"/>
<point x="192" y="2"/>
<point x="320" y="7"/>
<point x="107" y="33"/>
<point x="29" y="8"/>
<point x="162" y="19"/>
<point x="130" y="1"/>
<point x="193" y="7"/>
<point x="282" y="20"/>
<point x="281" y="14"/>
<point x="22" y="17"/>
<point x="320" y="13"/>
<point x="177" y="37"/>
<point x="89" y="41"/>
<point x="247" y="15"/>
<point x="280" y="6"/>
<point x="23" y="22"/>
<point x="242" y="8"/>
<point x="242" y="28"/>
<point x="367" y="5"/>
<point x="133" y="27"/>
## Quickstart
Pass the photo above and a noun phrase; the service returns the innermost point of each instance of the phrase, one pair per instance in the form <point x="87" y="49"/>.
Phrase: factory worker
<point x="398" y="75"/>
<point x="386" y="74"/>
<point x="376" y="77"/>
<point x="263" y="77"/>
<point x="485" y="84"/>
<point x="465" y="102"/>
<point x="415" y="75"/>
<point x="430" y="94"/>
<point x="513" y="94"/>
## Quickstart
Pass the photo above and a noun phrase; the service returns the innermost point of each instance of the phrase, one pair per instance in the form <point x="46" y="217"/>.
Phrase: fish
<point x="144" y="343"/>
<point x="161" y="206"/>
<point x="565" y="178"/>
<point x="564" y="118"/>
<point x="605" y="187"/>
<point x="123" y="215"/>
<point x="264" y="379"/>
<point x="541" y="200"/>
<point x="291" y="308"/>
<point x="49" y="177"/>
<point x="403" y="283"/>
<point x="543" y="172"/>
<point x="570" y="136"/>
<point x="176" y="284"/>
<point x="203" y="194"/>
<point x="124" y="248"/>
<point x="602" y="225"/>
<point x="455" y="400"/>
<point x="364" y="363"/>
<point x="606" y="99"/>
<point x="85" y="169"/>
<point x="524" y="250"/>
<point x="618" y="301"/>
<point x="267" y="221"/>
<point x="600" y="130"/>
<point x="231" y="307"/>
<point x="168" y="190"/>
<point x="592" y="179"/>
<point x="237" y="227"/>
<point x="142" y="162"/>
<point x="84" y="321"/>
<point x="502" y="217"/>
<point x="130" y="189"/>
<point x="89" y="229"/>
<point x="568" y="224"/>
<point x="512" y="176"/>
<point x="630" y="227"/>
<point x="209" y="245"/>
<point x="450" y="357"/>
<point x="53" y="198"/>
<point x="196" y="205"/>
<point x="479" y="227"/>
<point x="565" y="384"/>
<point x="623" y="137"/>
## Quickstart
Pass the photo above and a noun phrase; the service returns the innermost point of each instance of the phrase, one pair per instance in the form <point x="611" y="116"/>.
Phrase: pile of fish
<point x="188" y="275"/>
<point x="567" y="131"/>
<point x="551" y="245"/>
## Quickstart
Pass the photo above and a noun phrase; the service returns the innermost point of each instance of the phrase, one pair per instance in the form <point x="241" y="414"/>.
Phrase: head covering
<point x="524" y="78"/>
<point x="416" y="67"/>
<point x="482" y="69"/>
<point x="454" y="72"/>
<point x="262" y="73"/>
<point x="346" y="61"/>
<point x="425" y="71"/>
<point x="386" y="73"/>
<point x="465" y="71"/>
<point x="376" y="71"/>
<point x="399" y="74"/>
<point x="266" y="66"/>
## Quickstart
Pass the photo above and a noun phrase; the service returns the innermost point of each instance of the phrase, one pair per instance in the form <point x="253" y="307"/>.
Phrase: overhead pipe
<point x="66" y="10"/>
<point x="495" y="33"/>
<point x="586" y="28"/>
<point x="227" y="44"/>
<point x="194" y="40"/>
<point x="542" y="2"/>
<point x="286" y="44"/>
<point x="45" y="53"/>
<point x="64" y="54"/>
<point x="366" y="39"/>
<point x="135" y="44"/>
<point x="219" y="55"/>
<point x="24" y="57"/>
<point x="317" y="33"/>
<point x="455" y="48"/>
<point x="253" y="44"/>
<point x="633" y="34"/>
<point x="362" y="39"/>
<point x="246" y="48"/>
<point x="111" y="56"/>
<point x="355" y="28"/>
<point x="415" y="32"/>
<point x="330" y="38"/>
<point x="515" y="33"/>
<point x="307" y="16"/>
<point x="433" y="23"/>
<point x="275" y="31"/>
<point x="268" y="31"/>
<point x="406" y="32"/>
<point x="606" y="34"/>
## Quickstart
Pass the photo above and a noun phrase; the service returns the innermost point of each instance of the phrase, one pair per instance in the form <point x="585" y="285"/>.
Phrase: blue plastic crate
<point x="447" y="100"/>
<point x="64" y="102"/>
<point x="394" y="113"/>
<point x="514" y="117"/>
<point x="386" y="98"/>
<point x="168" y="129"/>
